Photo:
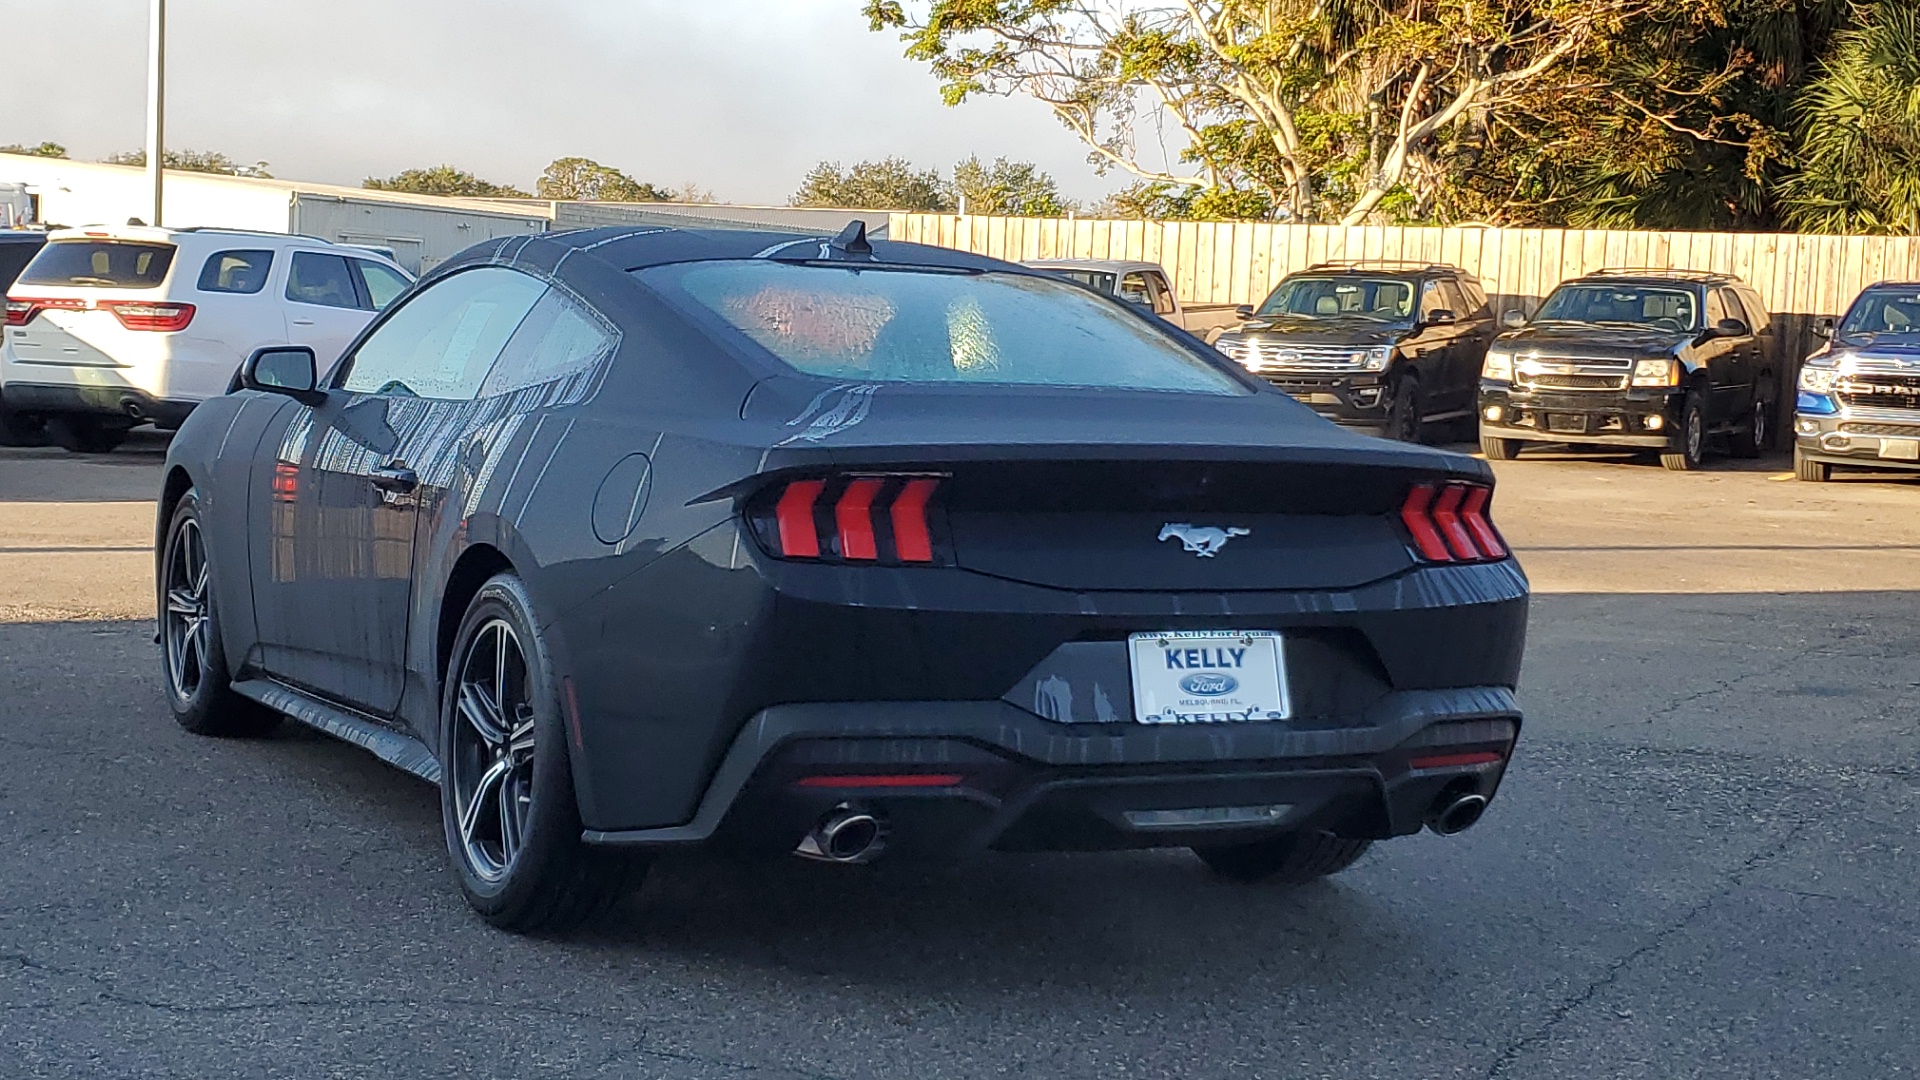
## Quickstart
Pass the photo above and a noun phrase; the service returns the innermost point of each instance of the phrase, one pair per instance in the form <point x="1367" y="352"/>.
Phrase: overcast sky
<point x="739" y="96"/>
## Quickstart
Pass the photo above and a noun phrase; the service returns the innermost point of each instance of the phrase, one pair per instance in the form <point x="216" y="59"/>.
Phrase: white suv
<point x="110" y="327"/>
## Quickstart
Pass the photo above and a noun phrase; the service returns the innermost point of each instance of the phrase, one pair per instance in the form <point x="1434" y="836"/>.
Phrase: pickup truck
<point x="1144" y="285"/>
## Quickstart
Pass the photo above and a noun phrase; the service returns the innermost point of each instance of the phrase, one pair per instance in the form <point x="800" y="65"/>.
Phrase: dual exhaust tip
<point x="849" y="834"/>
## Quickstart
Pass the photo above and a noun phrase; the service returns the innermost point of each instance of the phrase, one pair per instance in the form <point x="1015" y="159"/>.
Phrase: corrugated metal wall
<point x="1802" y="278"/>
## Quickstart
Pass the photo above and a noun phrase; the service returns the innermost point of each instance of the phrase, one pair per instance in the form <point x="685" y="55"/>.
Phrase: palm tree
<point x="1859" y="130"/>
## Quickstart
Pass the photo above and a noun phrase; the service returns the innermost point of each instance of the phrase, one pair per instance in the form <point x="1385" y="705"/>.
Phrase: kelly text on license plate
<point x="1201" y="677"/>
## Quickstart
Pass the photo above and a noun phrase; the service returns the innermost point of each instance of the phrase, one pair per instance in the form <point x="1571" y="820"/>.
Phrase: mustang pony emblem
<point x="1204" y="541"/>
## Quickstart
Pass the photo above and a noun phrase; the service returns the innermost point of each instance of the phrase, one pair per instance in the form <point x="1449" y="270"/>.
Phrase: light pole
<point x="157" y="107"/>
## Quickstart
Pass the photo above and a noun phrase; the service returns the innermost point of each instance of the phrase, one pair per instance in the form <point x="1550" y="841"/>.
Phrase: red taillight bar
<point x="1449" y="523"/>
<point x="798" y="538"/>
<point x="148" y="315"/>
<point x="1456" y="761"/>
<point x="21" y="310"/>
<point x="865" y="510"/>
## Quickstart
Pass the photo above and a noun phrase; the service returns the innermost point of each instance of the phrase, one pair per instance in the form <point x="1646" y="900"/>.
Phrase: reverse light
<point x="1498" y="367"/>
<point x="882" y="518"/>
<point x="1658" y="371"/>
<point x="1450" y="523"/>
<point x="148" y="315"/>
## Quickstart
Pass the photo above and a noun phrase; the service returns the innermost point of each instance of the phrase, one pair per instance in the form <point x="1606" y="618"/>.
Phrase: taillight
<point x="884" y="518"/>
<point x="1450" y="523"/>
<point x="148" y="315"/>
<point x="21" y="311"/>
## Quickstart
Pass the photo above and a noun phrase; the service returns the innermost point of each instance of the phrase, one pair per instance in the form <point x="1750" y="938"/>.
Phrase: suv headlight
<point x="1374" y="359"/>
<point x="1656" y="371"/>
<point x="1498" y="366"/>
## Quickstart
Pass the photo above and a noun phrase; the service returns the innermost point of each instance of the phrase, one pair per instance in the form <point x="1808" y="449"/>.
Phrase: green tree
<point x="1304" y="109"/>
<point x="444" y="180"/>
<point x="45" y="149"/>
<point x="200" y="161"/>
<point x="584" y="179"/>
<point x="1860" y="131"/>
<point x="892" y="184"/>
<point x="1011" y="188"/>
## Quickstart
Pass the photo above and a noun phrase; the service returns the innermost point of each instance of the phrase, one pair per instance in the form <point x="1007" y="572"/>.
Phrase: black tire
<point x="17" y="429"/>
<point x="1404" y="422"/>
<point x="193" y="662"/>
<point x="85" y="434"/>
<point x="1498" y="449"/>
<point x="507" y="803"/>
<point x="1813" y="472"/>
<point x="1289" y="859"/>
<point x="1690" y="437"/>
<point x="1755" y="437"/>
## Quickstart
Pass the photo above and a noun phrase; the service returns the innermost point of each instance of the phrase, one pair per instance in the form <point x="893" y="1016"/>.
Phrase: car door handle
<point x="303" y="322"/>
<point x="396" y="477"/>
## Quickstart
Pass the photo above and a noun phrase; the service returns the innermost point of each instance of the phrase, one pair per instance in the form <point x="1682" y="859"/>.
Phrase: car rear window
<point x="106" y="264"/>
<point x="926" y="326"/>
<point x="236" y="272"/>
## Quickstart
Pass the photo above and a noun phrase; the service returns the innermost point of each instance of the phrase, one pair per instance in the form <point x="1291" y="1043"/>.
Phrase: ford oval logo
<point x="1209" y="684"/>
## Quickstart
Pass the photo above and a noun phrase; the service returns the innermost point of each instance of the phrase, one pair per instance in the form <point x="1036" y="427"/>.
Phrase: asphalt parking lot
<point x="1702" y="864"/>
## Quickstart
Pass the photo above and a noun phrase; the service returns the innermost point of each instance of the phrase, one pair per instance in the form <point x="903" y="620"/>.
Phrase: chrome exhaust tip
<point x="1453" y="814"/>
<point x="847" y="835"/>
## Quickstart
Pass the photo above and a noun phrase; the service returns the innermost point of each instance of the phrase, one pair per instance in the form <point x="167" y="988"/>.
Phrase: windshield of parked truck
<point x="1621" y="305"/>
<point x="1884" y="315"/>
<point x="1342" y="296"/>
<point x="927" y="326"/>
<point x="108" y="264"/>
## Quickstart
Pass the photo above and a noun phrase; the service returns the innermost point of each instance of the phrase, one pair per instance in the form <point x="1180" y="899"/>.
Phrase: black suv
<point x="1660" y="359"/>
<point x="1393" y="345"/>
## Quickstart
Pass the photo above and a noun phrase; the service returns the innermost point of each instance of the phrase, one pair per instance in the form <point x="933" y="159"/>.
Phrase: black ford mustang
<point x="635" y="539"/>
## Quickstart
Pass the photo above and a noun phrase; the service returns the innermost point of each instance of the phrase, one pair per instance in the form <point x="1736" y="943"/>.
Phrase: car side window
<point x="382" y="283"/>
<point x="1757" y="316"/>
<point x="322" y="280"/>
<point x="1716" y="308"/>
<point x="1162" y="293"/>
<point x="235" y="272"/>
<point x="1433" y="298"/>
<point x="1476" y="297"/>
<point x="444" y="339"/>
<point x="1453" y="300"/>
<point x="1735" y="310"/>
<point x="1133" y="289"/>
<point x="558" y="338"/>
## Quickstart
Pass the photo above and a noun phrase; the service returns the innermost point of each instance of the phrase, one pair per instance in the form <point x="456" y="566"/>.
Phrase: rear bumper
<point x="1011" y="781"/>
<point x="125" y="402"/>
<point x="1643" y="418"/>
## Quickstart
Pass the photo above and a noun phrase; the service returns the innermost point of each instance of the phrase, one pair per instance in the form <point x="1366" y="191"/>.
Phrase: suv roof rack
<point x="1385" y="264"/>
<point x="229" y="231"/>
<point x="1659" y="272"/>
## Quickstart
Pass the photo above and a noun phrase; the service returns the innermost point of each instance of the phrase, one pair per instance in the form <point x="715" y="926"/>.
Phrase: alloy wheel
<point x="491" y="756"/>
<point x="1761" y="420"/>
<point x="1696" y="435"/>
<point x="188" y="615"/>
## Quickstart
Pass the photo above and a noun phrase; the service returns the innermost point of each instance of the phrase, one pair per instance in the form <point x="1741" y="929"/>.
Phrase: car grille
<point x="1897" y="431"/>
<point x="1572" y="374"/>
<point x="1282" y="355"/>
<point x="1881" y="391"/>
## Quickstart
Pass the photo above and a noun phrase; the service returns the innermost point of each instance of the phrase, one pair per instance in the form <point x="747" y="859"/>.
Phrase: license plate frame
<point x="1248" y="686"/>
<point x="1900" y="449"/>
<point x="1567" y="423"/>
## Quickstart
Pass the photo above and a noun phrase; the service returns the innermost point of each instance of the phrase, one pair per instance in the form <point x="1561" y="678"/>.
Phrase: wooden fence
<point x="1801" y="278"/>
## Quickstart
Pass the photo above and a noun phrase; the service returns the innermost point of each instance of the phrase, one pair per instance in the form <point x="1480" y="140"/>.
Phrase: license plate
<point x="1208" y="677"/>
<point x="1572" y="423"/>
<point x="1900" y="449"/>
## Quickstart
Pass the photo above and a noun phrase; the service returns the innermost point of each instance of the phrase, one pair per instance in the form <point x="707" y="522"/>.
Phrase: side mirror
<point x="283" y="369"/>
<point x="1439" y="317"/>
<point x="1243" y="311"/>
<point x="1514" y="320"/>
<point x="1731" y="328"/>
<point x="1823" y="329"/>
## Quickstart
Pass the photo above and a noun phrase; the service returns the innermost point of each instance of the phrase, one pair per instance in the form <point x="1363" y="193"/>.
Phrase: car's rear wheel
<point x="85" y="434"/>
<point x="1689" y="450"/>
<point x="1498" y="449"/>
<point x="1288" y="859"/>
<point x="192" y="662"/>
<point x="1813" y="472"/>
<point x="1756" y="437"/>
<point x="1403" y="410"/>
<point x="18" y="429"/>
<point x="506" y="789"/>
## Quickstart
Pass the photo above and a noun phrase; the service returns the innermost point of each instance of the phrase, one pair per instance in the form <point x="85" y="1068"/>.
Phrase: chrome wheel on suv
<point x="1691" y="448"/>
